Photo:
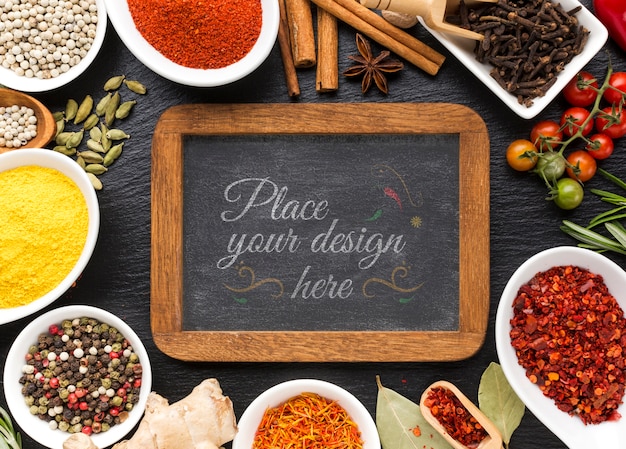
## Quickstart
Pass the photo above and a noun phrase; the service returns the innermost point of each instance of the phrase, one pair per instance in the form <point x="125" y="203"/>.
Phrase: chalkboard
<point x="278" y="230"/>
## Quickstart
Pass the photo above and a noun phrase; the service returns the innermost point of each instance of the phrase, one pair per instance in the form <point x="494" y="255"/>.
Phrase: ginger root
<point x="205" y="419"/>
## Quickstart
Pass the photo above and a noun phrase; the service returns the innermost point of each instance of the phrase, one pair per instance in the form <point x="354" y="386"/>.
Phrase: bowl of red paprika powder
<point x="196" y="43"/>
<point x="560" y="333"/>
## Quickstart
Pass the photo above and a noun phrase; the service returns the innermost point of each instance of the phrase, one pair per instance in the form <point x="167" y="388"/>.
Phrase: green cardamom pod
<point x="113" y="154"/>
<point x="63" y="137"/>
<point x="125" y="108"/>
<point x="114" y="82"/>
<point x="84" y="109"/>
<point x="65" y="150"/>
<point x="97" y="184"/>
<point x="58" y="116"/>
<point x="91" y="157"/>
<point x="60" y="127"/>
<point x="104" y="140"/>
<point x="71" y="108"/>
<point x="101" y="106"/>
<point x="75" y="139"/>
<point x="95" y="133"/>
<point x="109" y="113"/>
<point x="94" y="145"/>
<point x="96" y="169"/>
<point x="81" y="162"/>
<point x="135" y="86"/>
<point x="117" y="134"/>
<point x="90" y="122"/>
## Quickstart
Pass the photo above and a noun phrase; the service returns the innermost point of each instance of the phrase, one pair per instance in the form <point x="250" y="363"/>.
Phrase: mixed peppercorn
<point x="569" y="332"/>
<point x="82" y="376"/>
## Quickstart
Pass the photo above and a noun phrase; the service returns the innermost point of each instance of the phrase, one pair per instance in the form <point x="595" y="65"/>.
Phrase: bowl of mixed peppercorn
<point x="77" y="369"/>
<point x="560" y="334"/>
<point x="197" y="43"/>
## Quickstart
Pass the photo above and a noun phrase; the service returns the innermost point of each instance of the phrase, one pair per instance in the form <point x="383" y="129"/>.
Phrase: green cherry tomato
<point x="551" y="165"/>
<point x="568" y="193"/>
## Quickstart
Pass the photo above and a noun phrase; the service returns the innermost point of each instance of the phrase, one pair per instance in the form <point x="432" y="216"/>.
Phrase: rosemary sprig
<point x="9" y="437"/>
<point x="592" y="239"/>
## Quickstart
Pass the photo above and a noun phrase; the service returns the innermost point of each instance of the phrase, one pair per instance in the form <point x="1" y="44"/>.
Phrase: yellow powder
<point x="43" y="229"/>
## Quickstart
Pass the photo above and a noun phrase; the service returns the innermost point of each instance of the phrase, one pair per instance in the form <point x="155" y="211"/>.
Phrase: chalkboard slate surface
<point x="345" y="226"/>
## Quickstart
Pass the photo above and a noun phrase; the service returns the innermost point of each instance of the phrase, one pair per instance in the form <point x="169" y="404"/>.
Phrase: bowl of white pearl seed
<point x="25" y="122"/>
<point x="46" y="44"/>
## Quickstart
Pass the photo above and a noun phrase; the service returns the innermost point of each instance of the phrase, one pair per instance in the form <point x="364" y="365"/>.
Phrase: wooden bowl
<point x="46" y="126"/>
<point x="493" y="440"/>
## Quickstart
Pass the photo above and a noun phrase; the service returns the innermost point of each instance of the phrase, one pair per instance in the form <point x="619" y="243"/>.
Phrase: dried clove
<point x="528" y="42"/>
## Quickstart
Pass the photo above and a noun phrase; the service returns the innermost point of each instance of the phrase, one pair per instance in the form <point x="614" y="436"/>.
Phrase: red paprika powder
<point x="569" y="333"/>
<point x="200" y="34"/>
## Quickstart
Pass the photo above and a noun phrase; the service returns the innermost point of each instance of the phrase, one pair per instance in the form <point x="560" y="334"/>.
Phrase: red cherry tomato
<point x="581" y="90"/>
<point x="600" y="146"/>
<point x="581" y="166"/>
<point x="617" y="80"/>
<point x="573" y="118"/>
<point x="611" y="122"/>
<point x="546" y="135"/>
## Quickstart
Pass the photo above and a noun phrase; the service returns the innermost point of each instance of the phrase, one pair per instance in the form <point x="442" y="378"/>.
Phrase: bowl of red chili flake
<point x="195" y="42"/>
<point x="77" y="369"/>
<point x="560" y="338"/>
<point x="309" y="414"/>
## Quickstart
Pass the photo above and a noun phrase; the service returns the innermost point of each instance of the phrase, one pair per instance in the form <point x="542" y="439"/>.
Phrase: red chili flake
<point x="197" y="33"/>
<point x="569" y="332"/>
<point x="457" y="421"/>
<point x="416" y="431"/>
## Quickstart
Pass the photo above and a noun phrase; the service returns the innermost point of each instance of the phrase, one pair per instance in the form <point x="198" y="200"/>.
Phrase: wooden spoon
<point x="492" y="441"/>
<point x="432" y="11"/>
<point x="46" y="126"/>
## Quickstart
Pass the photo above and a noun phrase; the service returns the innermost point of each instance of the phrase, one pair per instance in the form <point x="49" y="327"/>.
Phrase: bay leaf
<point x="401" y="425"/>
<point x="499" y="402"/>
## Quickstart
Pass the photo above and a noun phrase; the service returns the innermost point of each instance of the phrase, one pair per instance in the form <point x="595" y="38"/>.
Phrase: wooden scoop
<point x="432" y="11"/>
<point x="493" y="440"/>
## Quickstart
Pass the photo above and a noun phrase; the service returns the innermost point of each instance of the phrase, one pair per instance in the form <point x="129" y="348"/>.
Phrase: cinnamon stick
<point x="387" y="35"/>
<point x="289" y="68"/>
<point x="301" y="33"/>
<point x="327" y="73"/>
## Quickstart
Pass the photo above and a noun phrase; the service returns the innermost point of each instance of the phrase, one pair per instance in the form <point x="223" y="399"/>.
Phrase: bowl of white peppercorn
<point x="75" y="369"/>
<point x="25" y="122"/>
<point x="47" y="44"/>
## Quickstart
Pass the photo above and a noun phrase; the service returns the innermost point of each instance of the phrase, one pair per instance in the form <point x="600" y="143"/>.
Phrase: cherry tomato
<point x="546" y="135"/>
<point x="573" y="118"/>
<point x="614" y="127"/>
<point x="568" y="193"/>
<point x="581" y="90"/>
<point x="551" y="165"/>
<point x="600" y="146"/>
<point x="521" y="155"/>
<point x="581" y="165"/>
<point x="617" y="80"/>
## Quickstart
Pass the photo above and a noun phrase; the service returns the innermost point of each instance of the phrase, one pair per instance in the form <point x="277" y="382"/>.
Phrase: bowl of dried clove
<point x="530" y="50"/>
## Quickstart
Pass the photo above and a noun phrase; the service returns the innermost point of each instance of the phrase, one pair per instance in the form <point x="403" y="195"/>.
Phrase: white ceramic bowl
<point x="571" y="430"/>
<point x="463" y="50"/>
<point x="278" y="394"/>
<point x="123" y="23"/>
<point x="37" y="429"/>
<point x="52" y="159"/>
<point x="10" y="79"/>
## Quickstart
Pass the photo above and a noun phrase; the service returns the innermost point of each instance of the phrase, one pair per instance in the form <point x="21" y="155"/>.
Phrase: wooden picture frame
<point x="318" y="346"/>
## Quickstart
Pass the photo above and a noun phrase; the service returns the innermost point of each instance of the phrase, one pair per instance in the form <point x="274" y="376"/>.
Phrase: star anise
<point x="372" y="68"/>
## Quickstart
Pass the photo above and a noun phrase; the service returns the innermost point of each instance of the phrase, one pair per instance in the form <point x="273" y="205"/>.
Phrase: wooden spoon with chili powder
<point x="492" y="439"/>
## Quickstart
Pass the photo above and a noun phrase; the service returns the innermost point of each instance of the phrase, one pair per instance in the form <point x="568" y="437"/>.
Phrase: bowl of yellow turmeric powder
<point x="48" y="229"/>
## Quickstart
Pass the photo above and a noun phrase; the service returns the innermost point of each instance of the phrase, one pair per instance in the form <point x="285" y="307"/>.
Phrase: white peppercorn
<point x="35" y="35"/>
<point x="18" y="125"/>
